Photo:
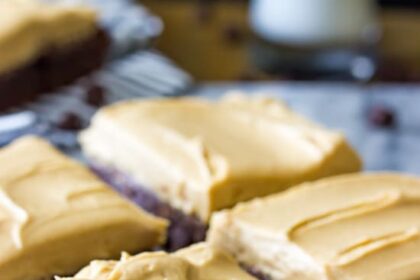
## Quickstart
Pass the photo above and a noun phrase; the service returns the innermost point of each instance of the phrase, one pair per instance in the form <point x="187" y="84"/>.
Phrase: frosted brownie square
<point x="201" y="156"/>
<point x="56" y="216"/>
<point x="362" y="226"/>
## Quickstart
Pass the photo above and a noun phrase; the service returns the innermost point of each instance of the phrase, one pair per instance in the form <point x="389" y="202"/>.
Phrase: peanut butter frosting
<point x="56" y="216"/>
<point x="349" y="227"/>
<point x="198" y="262"/>
<point x="28" y="28"/>
<point x="203" y="156"/>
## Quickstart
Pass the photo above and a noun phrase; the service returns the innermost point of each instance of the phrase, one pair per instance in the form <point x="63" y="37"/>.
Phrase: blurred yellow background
<point x="209" y="40"/>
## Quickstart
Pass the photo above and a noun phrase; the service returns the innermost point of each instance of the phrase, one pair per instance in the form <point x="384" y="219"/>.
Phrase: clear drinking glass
<point x="315" y="37"/>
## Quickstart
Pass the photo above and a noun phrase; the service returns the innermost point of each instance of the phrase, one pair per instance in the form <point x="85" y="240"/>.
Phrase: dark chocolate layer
<point x="19" y="86"/>
<point x="55" y="68"/>
<point x="254" y="272"/>
<point x="184" y="230"/>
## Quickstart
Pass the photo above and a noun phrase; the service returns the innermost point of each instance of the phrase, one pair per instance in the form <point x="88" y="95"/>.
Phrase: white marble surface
<point x="345" y="107"/>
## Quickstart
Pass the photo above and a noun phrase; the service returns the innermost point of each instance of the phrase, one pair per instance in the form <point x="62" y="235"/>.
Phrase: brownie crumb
<point x="381" y="116"/>
<point x="95" y="96"/>
<point x="69" y="121"/>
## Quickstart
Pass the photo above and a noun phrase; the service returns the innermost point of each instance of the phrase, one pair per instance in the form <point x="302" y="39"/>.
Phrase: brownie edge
<point x="184" y="230"/>
<point x="54" y="68"/>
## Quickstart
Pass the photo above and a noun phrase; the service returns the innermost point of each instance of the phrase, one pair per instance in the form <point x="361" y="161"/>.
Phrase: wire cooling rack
<point x="133" y="70"/>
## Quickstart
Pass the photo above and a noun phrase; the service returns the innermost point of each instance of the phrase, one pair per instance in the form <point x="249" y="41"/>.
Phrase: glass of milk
<point x="308" y="29"/>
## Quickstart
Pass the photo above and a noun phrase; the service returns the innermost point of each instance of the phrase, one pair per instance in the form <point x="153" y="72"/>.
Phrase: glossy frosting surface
<point x="29" y="27"/>
<point x="203" y="156"/>
<point x="198" y="262"/>
<point x="55" y="216"/>
<point x="362" y="226"/>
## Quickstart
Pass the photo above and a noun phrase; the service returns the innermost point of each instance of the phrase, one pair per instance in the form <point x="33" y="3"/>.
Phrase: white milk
<point x="313" y="22"/>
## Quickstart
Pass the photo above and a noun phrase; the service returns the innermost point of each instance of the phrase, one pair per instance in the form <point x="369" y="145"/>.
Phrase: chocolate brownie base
<point x="19" y="86"/>
<point x="183" y="231"/>
<point x="254" y="272"/>
<point x="55" y="68"/>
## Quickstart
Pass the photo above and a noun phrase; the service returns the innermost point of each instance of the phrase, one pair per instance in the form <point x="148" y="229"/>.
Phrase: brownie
<point x="66" y="216"/>
<point x="20" y="85"/>
<point x="62" y="66"/>
<point x="54" y="68"/>
<point x="183" y="231"/>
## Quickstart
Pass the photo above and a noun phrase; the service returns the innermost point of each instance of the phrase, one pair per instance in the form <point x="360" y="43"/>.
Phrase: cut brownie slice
<point x="56" y="216"/>
<point x="198" y="262"/>
<point x="44" y="46"/>
<point x="362" y="226"/>
<point x="201" y="156"/>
